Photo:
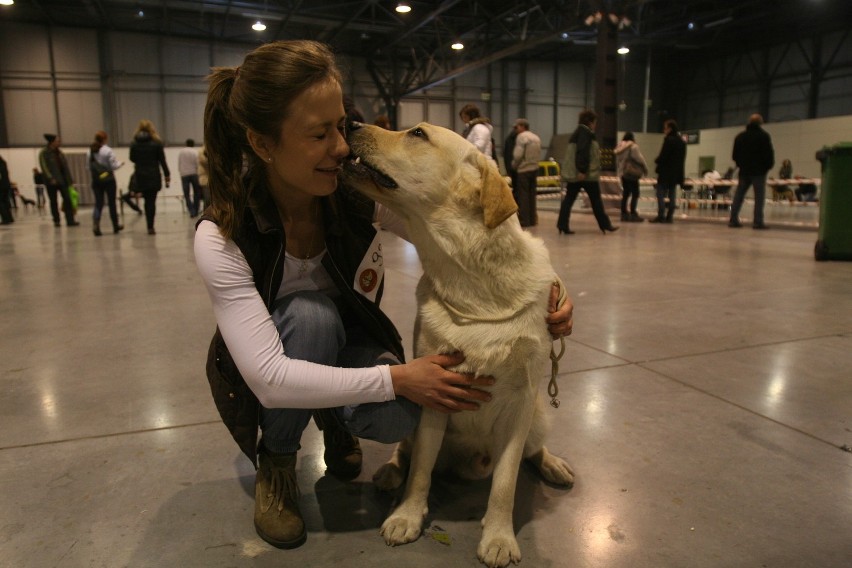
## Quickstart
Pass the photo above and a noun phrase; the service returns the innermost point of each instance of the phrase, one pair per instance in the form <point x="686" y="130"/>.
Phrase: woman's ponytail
<point x="224" y="143"/>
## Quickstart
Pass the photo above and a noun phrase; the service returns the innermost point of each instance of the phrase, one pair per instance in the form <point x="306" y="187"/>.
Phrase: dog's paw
<point x="553" y="469"/>
<point x="401" y="529"/>
<point x="499" y="551"/>
<point x="389" y="477"/>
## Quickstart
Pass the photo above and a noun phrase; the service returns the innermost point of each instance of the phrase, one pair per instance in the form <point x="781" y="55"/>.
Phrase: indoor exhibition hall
<point x="705" y="387"/>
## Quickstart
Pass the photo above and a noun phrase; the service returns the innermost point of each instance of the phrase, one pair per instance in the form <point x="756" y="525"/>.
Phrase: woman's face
<point x="312" y="145"/>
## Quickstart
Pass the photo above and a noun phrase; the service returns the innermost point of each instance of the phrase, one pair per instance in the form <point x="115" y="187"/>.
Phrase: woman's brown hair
<point x="100" y="140"/>
<point x="257" y="96"/>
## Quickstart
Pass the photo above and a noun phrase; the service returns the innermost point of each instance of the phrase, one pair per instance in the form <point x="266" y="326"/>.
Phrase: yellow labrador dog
<point x="484" y="291"/>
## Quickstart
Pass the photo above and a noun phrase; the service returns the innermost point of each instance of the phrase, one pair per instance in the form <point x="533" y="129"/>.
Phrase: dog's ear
<point x="495" y="195"/>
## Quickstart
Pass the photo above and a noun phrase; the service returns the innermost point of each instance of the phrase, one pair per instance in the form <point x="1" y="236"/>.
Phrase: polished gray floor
<point x="706" y="396"/>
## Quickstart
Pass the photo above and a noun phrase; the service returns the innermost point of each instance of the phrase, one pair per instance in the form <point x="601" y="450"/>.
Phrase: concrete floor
<point x="706" y="394"/>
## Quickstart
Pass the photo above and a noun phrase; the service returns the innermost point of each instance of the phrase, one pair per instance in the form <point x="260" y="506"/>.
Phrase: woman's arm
<point x="247" y="328"/>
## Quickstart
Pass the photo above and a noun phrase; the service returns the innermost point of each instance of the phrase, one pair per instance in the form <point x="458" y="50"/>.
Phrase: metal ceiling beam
<point x="496" y="56"/>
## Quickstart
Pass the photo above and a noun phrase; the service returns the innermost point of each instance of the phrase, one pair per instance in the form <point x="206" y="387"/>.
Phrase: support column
<point x="606" y="95"/>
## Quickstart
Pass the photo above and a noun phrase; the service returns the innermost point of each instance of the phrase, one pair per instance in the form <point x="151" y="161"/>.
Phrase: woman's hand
<point x="560" y="320"/>
<point x="427" y="382"/>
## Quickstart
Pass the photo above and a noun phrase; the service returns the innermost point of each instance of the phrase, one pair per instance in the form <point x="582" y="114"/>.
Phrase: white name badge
<point x="371" y="271"/>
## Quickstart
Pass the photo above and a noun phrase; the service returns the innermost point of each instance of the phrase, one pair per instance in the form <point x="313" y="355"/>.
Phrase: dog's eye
<point x="418" y="132"/>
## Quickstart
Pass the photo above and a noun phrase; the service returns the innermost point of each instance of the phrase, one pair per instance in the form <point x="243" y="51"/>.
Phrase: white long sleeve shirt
<point x="277" y="380"/>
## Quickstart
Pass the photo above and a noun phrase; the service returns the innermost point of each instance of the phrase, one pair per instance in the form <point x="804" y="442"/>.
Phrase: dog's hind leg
<point x="552" y="468"/>
<point x="392" y="474"/>
<point x="405" y="522"/>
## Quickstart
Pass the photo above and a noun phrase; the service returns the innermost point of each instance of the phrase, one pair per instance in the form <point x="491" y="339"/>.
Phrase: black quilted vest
<point x="348" y="220"/>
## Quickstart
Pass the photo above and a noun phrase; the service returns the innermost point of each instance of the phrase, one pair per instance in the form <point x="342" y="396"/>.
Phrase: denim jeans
<point x="192" y="201"/>
<point x="666" y="190"/>
<point x="104" y="191"/>
<point x="311" y="330"/>
<point x="759" y="184"/>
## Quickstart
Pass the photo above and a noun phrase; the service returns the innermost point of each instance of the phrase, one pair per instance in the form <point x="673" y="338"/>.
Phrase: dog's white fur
<point x="484" y="292"/>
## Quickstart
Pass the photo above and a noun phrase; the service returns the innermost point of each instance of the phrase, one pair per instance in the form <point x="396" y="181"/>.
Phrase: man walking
<point x="188" y="169"/>
<point x="581" y="169"/>
<point x="525" y="157"/>
<point x="754" y="155"/>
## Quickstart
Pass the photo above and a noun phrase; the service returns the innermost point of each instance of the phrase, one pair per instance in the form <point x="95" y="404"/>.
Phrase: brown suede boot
<point x="342" y="450"/>
<point x="276" y="509"/>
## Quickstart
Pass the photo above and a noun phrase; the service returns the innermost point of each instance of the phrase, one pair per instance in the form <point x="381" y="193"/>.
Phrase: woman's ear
<point x="260" y="144"/>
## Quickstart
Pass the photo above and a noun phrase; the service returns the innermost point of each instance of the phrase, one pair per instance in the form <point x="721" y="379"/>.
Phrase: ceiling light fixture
<point x="140" y="13"/>
<point x="403" y="8"/>
<point x="458" y="46"/>
<point x="6" y="2"/>
<point x="258" y="26"/>
<point x="623" y="50"/>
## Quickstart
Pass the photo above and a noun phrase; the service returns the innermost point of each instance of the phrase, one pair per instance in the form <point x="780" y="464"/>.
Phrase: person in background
<point x="581" y="170"/>
<point x="57" y="179"/>
<point x="102" y="165"/>
<point x="754" y="156"/>
<point x="478" y="130"/>
<point x="38" y="182"/>
<point x="784" y="191"/>
<point x="382" y="121"/>
<point x="671" y="166"/>
<point x="806" y="192"/>
<point x="278" y="251"/>
<point x="508" y="150"/>
<point x="188" y="170"/>
<point x="628" y="150"/>
<point x="525" y="157"/>
<point x="204" y="177"/>
<point x="6" y="217"/>
<point x="148" y="155"/>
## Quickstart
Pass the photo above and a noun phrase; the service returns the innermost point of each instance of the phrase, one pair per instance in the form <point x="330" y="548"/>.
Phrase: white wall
<point x="798" y="141"/>
<point x="21" y="162"/>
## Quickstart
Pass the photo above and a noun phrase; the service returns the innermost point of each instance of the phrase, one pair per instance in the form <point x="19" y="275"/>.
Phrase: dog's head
<point x="426" y="170"/>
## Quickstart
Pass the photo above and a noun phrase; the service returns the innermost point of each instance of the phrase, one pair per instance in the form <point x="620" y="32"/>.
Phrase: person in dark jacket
<point x="6" y="217"/>
<point x="508" y="150"/>
<point x="293" y="268"/>
<point x="57" y="179"/>
<point x="148" y="155"/>
<point x="670" y="172"/>
<point x="754" y="156"/>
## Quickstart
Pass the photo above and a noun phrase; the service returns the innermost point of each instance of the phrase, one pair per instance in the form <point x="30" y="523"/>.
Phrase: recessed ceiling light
<point x="258" y="26"/>
<point x="6" y="2"/>
<point x="623" y="50"/>
<point x="403" y="8"/>
<point x="457" y="45"/>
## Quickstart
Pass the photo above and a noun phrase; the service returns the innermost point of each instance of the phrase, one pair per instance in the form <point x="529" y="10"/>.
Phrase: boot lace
<point x="282" y="486"/>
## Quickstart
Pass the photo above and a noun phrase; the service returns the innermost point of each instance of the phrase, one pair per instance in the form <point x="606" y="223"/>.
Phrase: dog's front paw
<point x="389" y="477"/>
<point x="401" y="528"/>
<point x="552" y="468"/>
<point x="498" y="551"/>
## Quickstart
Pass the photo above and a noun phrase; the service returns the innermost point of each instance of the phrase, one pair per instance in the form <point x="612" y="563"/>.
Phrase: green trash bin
<point x="835" y="203"/>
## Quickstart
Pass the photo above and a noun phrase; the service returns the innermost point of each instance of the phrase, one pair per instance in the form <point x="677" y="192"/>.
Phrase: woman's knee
<point x="309" y="320"/>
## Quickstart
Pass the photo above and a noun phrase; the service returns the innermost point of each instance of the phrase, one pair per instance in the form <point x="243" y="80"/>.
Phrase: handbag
<point x="99" y="171"/>
<point x="632" y="170"/>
